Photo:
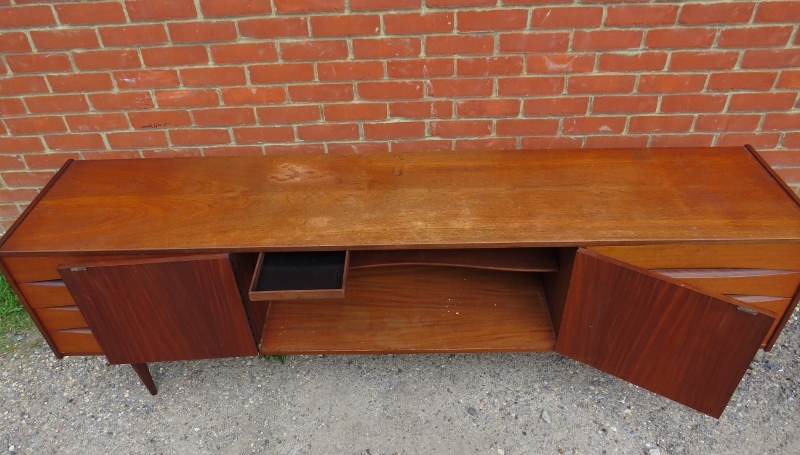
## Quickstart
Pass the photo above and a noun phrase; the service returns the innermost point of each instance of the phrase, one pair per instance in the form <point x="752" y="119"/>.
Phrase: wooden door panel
<point x="651" y="331"/>
<point x="178" y="308"/>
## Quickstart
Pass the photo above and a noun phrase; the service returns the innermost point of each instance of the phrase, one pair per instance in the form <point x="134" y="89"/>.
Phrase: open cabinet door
<point x="151" y="310"/>
<point x="672" y="339"/>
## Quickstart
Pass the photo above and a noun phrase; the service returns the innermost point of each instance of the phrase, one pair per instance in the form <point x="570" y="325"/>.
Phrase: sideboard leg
<point x="144" y="374"/>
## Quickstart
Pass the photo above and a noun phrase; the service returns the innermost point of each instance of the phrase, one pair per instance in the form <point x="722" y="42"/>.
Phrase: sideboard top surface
<point x="401" y="200"/>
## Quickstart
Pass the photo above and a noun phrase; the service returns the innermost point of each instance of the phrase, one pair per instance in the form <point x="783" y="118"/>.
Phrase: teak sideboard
<point x="668" y="268"/>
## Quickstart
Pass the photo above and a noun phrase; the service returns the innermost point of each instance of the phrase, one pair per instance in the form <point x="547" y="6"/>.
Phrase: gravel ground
<point x="370" y="405"/>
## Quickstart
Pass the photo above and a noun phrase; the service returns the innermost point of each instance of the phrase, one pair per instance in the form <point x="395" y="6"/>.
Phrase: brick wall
<point x="150" y="78"/>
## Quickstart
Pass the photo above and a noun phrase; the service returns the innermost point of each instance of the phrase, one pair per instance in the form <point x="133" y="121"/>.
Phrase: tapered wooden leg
<point x="144" y="374"/>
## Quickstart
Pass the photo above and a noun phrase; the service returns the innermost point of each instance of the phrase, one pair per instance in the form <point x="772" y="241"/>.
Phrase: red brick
<point x="534" y="42"/>
<point x="90" y="13"/>
<point x="757" y="140"/>
<point x="643" y="61"/>
<point x="159" y="119"/>
<point x="9" y="163"/>
<point x="38" y="63"/>
<point x="526" y="127"/>
<point x="418" y="23"/>
<point x="20" y="144"/>
<point x="154" y="10"/>
<point x="233" y="150"/>
<point x="288" y="114"/>
<point x="727" y="122"/>
<point x="274" y="27"/>
<point x="345" y="25"/>
<point x="175" y="56"/>
<point x="172" y="153"/>
<point x="107" y="59"/>
<point x="213" y="76"/>
<point x="111" y="154"/>
<point x="488" y="108"/>
<point x="459" y="44"/>
<point x="716" y="13"/>
<point x="771" y="58"/>
<point x="49" y="40"/>
<point x="294" y="149"/>
<point x="224" y="116"/>
<point x="780" y="101"/>
<point x="357" y="147"/>
<point x="221" y="8"/>
<point x="137" y="139"/>
<point x="461" y="128"/>
<point x="383" y="5"/>
<point x="421" y="109"/>
<point x="560" y="63"/>
<point x="314" y="50"/>
<point x="328" y="132"/>
<point x="22" y="84"/>
<point x="705" y="60"/>
<point x="791" y="140"/>
<point x="551" y="142"/>
<point x="308" y="6"/>
<point x="490" y="66"/>
<point x="50" y="160"/>
<point x="244" y="52"/>
<point x="15" y="195"/>
<point x="641" y="15"/>
<point x="133" y="35"/>
<point x="97" y="122"/>
<point x="394" y="130"/>
<point x="321" y="92"/>
<point x="593" y="125"/>
<point x="693" y="103"/>
<point x="781" y="121"/>
<point x="624" y="104"/>
<point x="422" y="68"/>
<point x="386" y="47"/>
<point x="253" y="95"/>
<point x="83" y="82"/>
<point x="741" y="80"/>
<point x="200" y="32"/>
<point x="680" y="37"/>
<point x="778" y="12"/>
<point x="601" y="83"/>
<point x="285" y="72"/>
<point x="121" y="101"/>
<point x="348" y="71"/>
<point x="492" y="20"/>
<point x="14" y="42"/>
<point x="425" y="145"/>
<point x="561" y="105"/>
<point x="75" y="142"/>
<point x="35" y="125"/>
<point x="656" y="83"/>
<point x="23" y="179"/>
<point x="607" y="39"/>
<point x="390" y="90"/>
<point x="262" y="134"/>
<point x="780" y="158"/>
<point x="146" y="79"/>
<point x="354" y="111"/>
<point x="458" y="3"/>
<point x="755" y="37"/>
<point x="26" y="16"/>
<point x="616" y="141"/>
<point x="567" y="17"/>
<point x="526" y="86"/>
<point x="57" y="103"/>
<point x="448" y="88"/>
<point x="187" y="98"/>
<point x="789" y="79"/>
<point x="495" y="143"/>
<point x="11" y="106"/>
<point x="199" y="136"/>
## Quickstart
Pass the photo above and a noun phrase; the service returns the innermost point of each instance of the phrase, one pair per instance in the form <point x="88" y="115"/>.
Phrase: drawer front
<point x="45" y="294"/>
<point x="60" y="318"/>
<point x="45" y="268"/>
<point x="76" y="342"/>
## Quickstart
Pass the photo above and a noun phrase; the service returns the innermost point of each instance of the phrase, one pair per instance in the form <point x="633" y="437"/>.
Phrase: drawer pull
<point x="747" y="310"/>
<point x="77" y="269"/>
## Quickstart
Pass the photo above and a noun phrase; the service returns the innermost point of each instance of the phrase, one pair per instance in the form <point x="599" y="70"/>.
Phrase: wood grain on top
<point x="410" y="200"/>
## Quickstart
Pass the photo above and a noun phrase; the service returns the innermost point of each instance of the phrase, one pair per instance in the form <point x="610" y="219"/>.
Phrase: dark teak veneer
<point x="668" y="268"/>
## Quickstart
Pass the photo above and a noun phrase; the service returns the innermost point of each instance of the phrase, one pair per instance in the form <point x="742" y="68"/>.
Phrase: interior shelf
<point x="511" y="259"/>
<point x="416" y="309"/>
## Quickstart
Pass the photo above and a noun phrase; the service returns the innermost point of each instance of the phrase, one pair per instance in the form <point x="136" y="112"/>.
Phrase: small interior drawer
<point x="300" y="275"/>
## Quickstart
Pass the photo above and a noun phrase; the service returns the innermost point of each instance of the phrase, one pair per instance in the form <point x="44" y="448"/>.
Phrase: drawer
<point x="774" y="256"/>
<point x="76" y="342"/>
<point x="45" y="294"/>
<point x="25" y="269"/>
<point x="300" y="275"/>
<point x="60" y="318"/>
<point x="757" y="282"/>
